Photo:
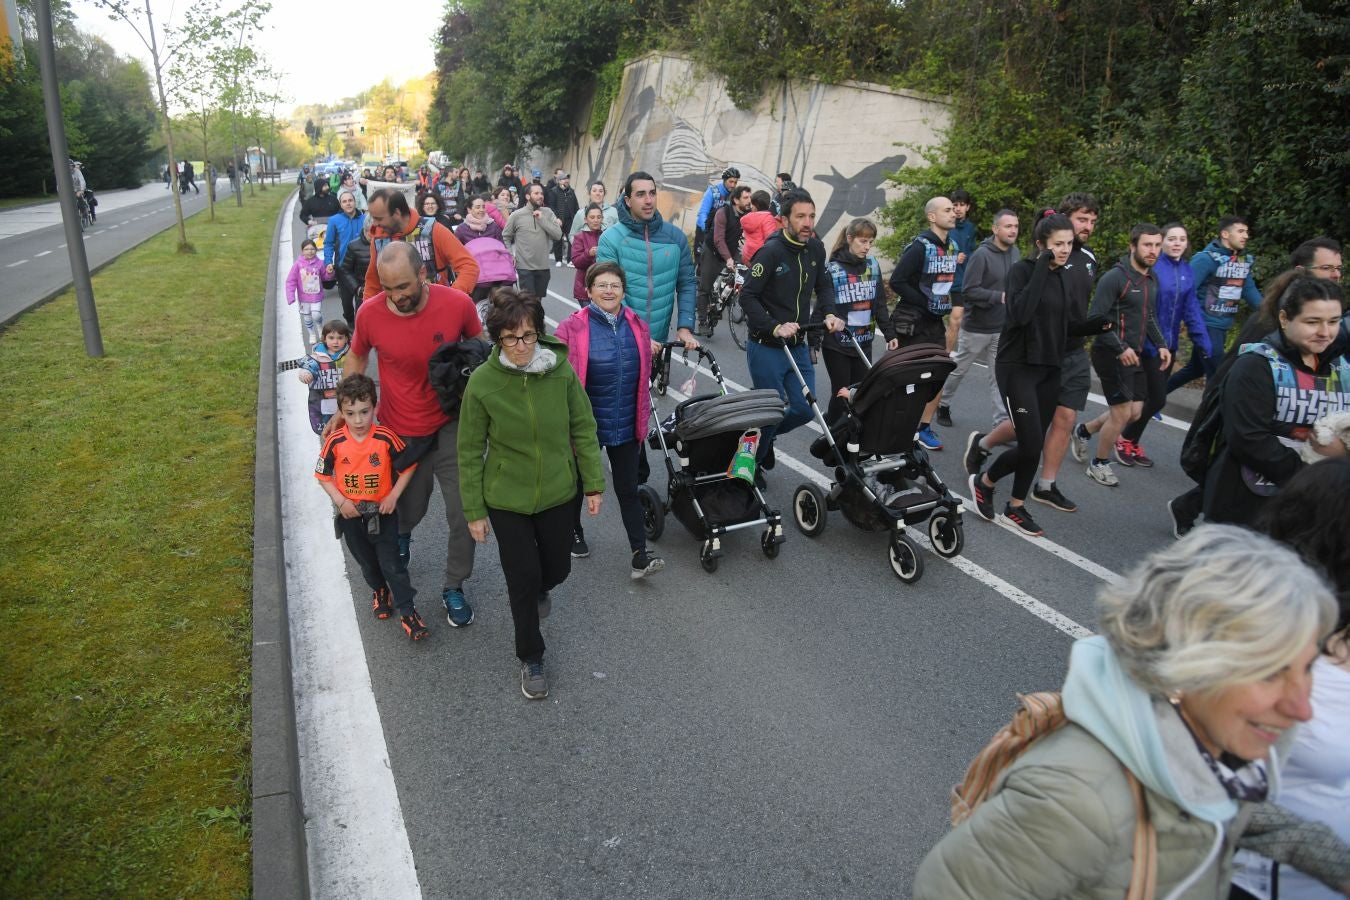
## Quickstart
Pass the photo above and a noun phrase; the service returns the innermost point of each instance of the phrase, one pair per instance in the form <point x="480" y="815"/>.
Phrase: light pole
<point x="65" y="186"/>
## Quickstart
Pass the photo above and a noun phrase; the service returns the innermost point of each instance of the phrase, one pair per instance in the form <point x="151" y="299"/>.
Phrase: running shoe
<point x="983" y="498"/>
<point x="580" y="550"/>
<point x="533" y="684"/>
<point x="1102" y="473"/>
<point x="645" y="564"/>
<point x="458" y="612"/>
<point x="405" y="548"/>
<point x="1124" y="453"/>
<point x="382" y="605"/>
<point x="1140" y="458"/>
<point x="928" y="438"/>
<point x="1079" y="443"/>
<point x="1180" y="526"/>
<point x="545" y="605"/>
<point x="1051" y="496"/>
<point x="1022" y="520"/>
<point x="975" y="454"/>
<point x="770" y="459"/>
<point x="944" y="416"/>
<point x="414" y="626"/>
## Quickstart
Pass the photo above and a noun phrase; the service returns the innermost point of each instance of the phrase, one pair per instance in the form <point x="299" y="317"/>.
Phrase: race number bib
<point x="309" y="283"/>
<point x="859" y="318"/>
<point x="328" y="405"/>
<point x="1230" y="292"/>
<point x="942" y="288"/>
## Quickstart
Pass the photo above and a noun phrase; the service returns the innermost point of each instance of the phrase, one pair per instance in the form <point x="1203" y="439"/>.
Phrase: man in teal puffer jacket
<point x="656" y="262"/>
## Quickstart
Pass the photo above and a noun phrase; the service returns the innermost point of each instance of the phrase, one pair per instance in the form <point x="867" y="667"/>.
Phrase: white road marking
<point x="13" y="264"/>
<point x="111" y="227"/>
<point x="358" y="842"/>
<point x="1037" y="608"/>
<point x="44" y="252"/>
<point x="127" y="222"/>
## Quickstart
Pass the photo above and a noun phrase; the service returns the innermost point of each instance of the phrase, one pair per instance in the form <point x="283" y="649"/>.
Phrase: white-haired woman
<point x="1194" y="686"/>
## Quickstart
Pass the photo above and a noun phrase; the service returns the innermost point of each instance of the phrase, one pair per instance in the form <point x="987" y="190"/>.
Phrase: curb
<point x="280" y="865"/>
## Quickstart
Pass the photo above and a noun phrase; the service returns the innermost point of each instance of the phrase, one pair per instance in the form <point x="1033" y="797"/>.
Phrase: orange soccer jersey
<point x="362" y="470"/>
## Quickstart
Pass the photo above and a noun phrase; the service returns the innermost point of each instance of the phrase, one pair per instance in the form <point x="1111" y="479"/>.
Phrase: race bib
<point x="328" y="405"/>
<point x="942" y="288"/>
<point x="1230" y="292"/>
<point x="309" y="283"/>
<point x="859" y="318"/>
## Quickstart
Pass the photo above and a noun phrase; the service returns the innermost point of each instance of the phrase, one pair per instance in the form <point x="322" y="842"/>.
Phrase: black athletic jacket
<point x="1042" y="313"/>
<point x="778" y="289"/>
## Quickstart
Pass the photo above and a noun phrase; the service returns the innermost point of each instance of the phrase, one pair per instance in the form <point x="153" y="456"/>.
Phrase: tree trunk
<point x="183" y="245"/>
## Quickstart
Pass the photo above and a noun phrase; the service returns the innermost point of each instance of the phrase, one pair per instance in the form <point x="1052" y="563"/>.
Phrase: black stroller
<point x="883" y="480"/>
<point x="703" y="435"/>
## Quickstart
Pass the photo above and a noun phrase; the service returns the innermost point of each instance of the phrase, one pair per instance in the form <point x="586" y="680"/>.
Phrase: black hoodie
<point x="1042" y="313"/>
<point x="779" y="285"/>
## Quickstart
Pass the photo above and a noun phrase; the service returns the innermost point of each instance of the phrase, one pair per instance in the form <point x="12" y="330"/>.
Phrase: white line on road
<point x="1042" y="543"/>
<point x="13" y="264"/>
<point x="358" y="842"/>
<point x="127" y="222"/>
<point x="44" y="252"/>
<point x="111" y="227"/>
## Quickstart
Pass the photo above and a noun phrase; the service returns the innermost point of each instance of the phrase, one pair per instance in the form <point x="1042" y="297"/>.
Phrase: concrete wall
<point x="838" y="140"/>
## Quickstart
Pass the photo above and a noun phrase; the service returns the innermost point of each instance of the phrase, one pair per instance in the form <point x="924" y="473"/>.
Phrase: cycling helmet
<point x="731" y="172"/>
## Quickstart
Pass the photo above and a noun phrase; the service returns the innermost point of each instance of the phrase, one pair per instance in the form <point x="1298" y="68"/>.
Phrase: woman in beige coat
<point x="1200" y="674"/>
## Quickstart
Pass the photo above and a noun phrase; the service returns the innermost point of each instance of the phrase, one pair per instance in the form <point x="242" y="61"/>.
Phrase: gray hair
<point x="1220" y="607"/>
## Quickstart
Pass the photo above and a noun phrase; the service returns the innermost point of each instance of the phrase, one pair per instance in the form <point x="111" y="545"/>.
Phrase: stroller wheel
<point x="653" y="512"/>
<point x="947" y="535"/>
<point x="768" y="544"/>
<point x="906" y="562"/>
<point x="808" y="509"/>
<point x="708" y="559"/>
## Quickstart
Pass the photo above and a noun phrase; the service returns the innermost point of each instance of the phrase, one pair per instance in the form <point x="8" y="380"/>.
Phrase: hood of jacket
<point x="782" y="237"/>
<point x="1144" y="733"/>
<point x="993" y="246"/>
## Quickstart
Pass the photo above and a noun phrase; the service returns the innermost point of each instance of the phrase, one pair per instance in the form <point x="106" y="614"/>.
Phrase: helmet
<point x="731" y="172"/>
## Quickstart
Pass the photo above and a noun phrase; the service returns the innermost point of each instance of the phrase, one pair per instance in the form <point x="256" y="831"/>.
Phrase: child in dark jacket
<point x="322" y="370"/>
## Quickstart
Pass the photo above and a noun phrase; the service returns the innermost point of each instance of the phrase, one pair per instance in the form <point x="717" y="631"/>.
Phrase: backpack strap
<point x="1040" y="714"/>
<point x="1144" y="873"/>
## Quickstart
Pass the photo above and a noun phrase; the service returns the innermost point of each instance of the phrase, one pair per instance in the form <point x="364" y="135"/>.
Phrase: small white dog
<point x="1335" y="427"/>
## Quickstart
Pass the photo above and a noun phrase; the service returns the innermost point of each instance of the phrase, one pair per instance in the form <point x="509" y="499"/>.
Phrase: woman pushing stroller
<point x="860" y="297"/>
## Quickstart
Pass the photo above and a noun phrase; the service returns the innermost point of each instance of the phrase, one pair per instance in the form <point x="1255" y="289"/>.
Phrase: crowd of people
<point x="1181" y="715"/>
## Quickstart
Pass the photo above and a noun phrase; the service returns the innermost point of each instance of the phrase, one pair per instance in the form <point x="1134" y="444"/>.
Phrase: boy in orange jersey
<point x="360" y="469"/>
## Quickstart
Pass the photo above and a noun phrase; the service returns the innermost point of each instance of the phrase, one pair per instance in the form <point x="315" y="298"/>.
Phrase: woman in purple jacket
<point x="611" y="350"/>
<point x="1177" y="303"/>
<point x="583" y="250"/>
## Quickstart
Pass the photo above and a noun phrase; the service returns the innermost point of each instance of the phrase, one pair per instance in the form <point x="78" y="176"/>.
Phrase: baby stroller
<point x="704" y="435"/>
<point x="883" y="480"/>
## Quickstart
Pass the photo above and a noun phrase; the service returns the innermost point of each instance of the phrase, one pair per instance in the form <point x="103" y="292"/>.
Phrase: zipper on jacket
<point x="534" y="432"/>
<point x="1191" y="879"/>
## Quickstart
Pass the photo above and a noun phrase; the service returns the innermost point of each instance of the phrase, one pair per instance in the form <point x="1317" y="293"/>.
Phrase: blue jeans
<point x="769" y="368"/>
<point x="1200" y="364"/>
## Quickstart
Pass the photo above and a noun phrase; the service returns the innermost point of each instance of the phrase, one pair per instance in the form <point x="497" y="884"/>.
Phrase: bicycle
<point x="726" y="298"/>
<point x="86" y="218"/>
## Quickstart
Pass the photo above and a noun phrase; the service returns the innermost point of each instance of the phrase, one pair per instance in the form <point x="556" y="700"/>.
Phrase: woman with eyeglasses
<point x="611" y="350"/>
<point x="525" y="432"/>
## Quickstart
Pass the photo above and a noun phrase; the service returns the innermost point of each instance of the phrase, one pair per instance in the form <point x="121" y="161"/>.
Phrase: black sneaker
<point x="1181" y="525"/>
<point x="769" y="461"/>
<point x="579" y="548"/>
<point x="975" y="454"/>
<point x="382" y="605"/>
<point x="645" y="564"/>
<point x="1022" y="520"/>
<point x="414" y="626"/>
<point x="983" y="497"/>
<point x="1052" y="497"/>
<point x="944" y="416"/>
<point x="533" y="684"/>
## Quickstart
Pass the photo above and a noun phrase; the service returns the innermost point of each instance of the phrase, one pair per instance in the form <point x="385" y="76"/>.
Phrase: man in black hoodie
<point x="1128" y="296"/>
<point x="562" y="199"/>
<point x="322" y="205"/>
<point x="787" y="270"/>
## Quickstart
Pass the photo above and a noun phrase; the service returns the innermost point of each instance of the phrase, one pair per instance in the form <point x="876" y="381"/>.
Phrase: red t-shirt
<point x="405" y="343"/>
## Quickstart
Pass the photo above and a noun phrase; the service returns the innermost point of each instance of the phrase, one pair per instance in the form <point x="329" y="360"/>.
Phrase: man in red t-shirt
<point x="405" y="324"/>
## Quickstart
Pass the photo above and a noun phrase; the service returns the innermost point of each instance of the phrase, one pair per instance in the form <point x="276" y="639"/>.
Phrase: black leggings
<point x="623" y="464"/>
<point x="1157" y="397"/>
<point x="1030" y="393"/>
<point x="846" y="368"/>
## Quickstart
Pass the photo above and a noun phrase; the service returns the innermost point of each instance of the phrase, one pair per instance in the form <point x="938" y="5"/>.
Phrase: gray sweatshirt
<point x="982" y="287"/>
<point x="531" y="240"/>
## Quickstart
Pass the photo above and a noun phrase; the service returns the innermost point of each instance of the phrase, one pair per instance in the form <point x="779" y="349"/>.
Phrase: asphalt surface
<point x="34" y="262"/>
<point x="781" y="728"/>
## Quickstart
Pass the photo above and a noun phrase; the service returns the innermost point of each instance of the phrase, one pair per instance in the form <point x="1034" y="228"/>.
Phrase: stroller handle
<point x="701" y="353"/>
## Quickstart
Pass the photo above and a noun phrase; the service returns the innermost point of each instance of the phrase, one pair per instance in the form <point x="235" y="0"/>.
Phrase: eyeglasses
<point x="510" y="340"/>
<point x="1328" y="268"/>
<point x="607" y="286"/>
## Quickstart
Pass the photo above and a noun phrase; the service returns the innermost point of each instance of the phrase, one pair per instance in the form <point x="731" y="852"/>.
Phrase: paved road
<point x="34" y="264"/>
<point x="784" y="728"/>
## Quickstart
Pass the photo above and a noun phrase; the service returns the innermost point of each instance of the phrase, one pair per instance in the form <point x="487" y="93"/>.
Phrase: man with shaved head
<point x="923" y="280"/>
<point x="406" y="322"/>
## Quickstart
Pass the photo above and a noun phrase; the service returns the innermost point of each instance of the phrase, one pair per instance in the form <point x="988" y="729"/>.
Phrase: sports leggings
<point x="1157" y="397"/>
<point x="1030" y="394"/>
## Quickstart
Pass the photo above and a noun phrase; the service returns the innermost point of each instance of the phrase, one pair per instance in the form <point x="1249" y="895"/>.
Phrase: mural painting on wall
<point x="646" y="133"/>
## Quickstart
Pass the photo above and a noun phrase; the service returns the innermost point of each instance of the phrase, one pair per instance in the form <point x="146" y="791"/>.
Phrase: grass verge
<point x="8" y="202"/>
<point x="124" y="714"/>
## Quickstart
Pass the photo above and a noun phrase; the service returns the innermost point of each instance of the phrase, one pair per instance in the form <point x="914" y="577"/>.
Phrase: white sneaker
<point x="1102" y="474"/>
<point x="1079" y="444"/>
<point x="557" y="264"/>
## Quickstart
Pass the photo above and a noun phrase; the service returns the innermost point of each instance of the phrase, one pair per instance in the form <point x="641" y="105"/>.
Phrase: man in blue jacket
<point x="714" y="198"/>
<point x="655" y="259"/>
<point x="342" y="230"/>
<point x="1223" y="280"/>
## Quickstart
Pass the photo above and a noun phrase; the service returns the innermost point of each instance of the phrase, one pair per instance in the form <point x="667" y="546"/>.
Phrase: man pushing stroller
<point x="777" y="302"/>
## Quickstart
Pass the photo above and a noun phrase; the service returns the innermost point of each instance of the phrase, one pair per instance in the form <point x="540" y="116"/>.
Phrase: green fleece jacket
<point x="521" y="435"/>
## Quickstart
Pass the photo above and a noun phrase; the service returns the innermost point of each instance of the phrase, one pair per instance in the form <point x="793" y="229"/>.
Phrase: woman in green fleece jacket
<point x="525" y="425"/>
<point x="1195" y="686"/>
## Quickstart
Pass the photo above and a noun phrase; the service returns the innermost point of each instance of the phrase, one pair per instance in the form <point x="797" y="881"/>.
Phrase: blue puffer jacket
<point x="612" y="377"/>
<point x="342" y="230"/>
<point x="659" y="269"/>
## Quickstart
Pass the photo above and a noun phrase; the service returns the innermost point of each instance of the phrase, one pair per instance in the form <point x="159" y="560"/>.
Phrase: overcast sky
<point x="328" y="50"/>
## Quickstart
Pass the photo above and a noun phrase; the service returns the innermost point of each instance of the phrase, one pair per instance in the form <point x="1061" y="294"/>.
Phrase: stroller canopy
<point x="890" y="400"/>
